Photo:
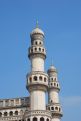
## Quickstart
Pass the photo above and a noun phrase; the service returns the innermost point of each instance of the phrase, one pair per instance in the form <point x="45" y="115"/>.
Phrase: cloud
<point x="71" y="101"/>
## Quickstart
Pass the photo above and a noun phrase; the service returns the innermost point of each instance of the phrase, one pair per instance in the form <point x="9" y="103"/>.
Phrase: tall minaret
<point x="53" y="97"/>
<point x="37" y="79"/>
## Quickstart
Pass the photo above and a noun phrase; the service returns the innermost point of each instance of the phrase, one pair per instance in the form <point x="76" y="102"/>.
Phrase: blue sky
<point x="61" y="22"/>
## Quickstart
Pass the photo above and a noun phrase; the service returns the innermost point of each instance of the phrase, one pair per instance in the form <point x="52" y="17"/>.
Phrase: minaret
<point x="37" y="79"/>
<point x="53" y="97"/>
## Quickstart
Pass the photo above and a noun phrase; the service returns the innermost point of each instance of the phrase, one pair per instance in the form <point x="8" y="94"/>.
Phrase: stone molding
<point x="37" y="113"/>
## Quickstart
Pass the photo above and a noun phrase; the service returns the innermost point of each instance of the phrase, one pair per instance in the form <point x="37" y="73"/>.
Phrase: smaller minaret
<point x="53" y="97"/>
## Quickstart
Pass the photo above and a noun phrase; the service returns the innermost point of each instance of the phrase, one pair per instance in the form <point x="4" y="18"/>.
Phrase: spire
<point x="52" y="61"/>
<point x="37" y="30"/>
<point x="37" y="26"/>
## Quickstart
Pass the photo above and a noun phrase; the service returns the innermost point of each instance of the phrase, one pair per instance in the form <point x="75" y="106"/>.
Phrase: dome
<point x="37" y="31"/>
<point x="52" y="69"/>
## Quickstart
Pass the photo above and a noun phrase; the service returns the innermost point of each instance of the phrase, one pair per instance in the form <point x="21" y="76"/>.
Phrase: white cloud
<point x="71" y="101"/>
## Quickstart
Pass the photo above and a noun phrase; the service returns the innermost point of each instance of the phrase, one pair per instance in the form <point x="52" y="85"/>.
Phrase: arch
<point x="40" y="78"/>
<point x="57" y="85"/>
<point x="47" y="119"/>
<point x="11" y="113"/>
<point x="44" y="79"/>
<point x="21" y="112"/>
<point x="5" y="113"/>
<point x="0" y="114"/>
<point x="42" y="50"/>
<point x="39" y="49"/>
<point x="30" y="79"/>
<point x="16" y="112"/>
<point x="51" y="84"/>
<point x="35" y="78"/>
<point x="52" y="108"/>
<point x="31" y="50"/>
<point x="28" y="119"/>
<point x="40" y="43"/>
<point x="36" y="43"/>
<point x="52" y="79"/>
<point x="51" y="101"/>
<point x="34" y="119"/>
<point x="35" y="49"/>
<point x="41" y="119"/>
<point x="56" y="108"/>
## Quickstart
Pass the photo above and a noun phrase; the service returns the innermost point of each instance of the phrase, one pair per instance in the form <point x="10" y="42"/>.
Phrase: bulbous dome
<point x="52" y="69"/>
<point x="37" y="31"/>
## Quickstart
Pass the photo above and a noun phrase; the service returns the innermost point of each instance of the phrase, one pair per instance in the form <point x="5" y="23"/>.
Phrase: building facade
<point x="34" y="107"/>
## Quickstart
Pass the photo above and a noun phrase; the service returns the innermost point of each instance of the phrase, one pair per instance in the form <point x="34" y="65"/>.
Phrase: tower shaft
<point x="53" y="96"/>
<point x="37" y="64"/>
<point x="38" y="100"/>
<point x="37" y="79"/>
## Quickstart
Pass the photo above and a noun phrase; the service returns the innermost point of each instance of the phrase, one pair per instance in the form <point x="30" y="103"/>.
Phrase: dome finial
<point x="37" y="30"/>
<point x="37" y="24"/>
<point x="51" y="61"/>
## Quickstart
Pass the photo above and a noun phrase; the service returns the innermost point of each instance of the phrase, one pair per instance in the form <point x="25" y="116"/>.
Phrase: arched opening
<point x="11" y="113"/>
<point x="51" y="101"/>
<point x="36" y="43"/>
<point x="47" y="119"/>
<point x="52" y="79"/>
<point x="21" y="112"/>
<point x="31" y="50"/>
<point x="42" y="50"/>
<point x="41" y="119"/>
<point x="35" y="49"/>
<point x="40" y="78"/>
<point x="5" y="113"/>
<point x="56" y="108"/>
<point x="35" y="78"/>
<point x="44" y="79"/>
<point x="57" y="85"/>
<point x="40" y="43"/>
<point x="39" y="49"/>
<point x="34" y="119"/>
<point x="51" y="84"/>
<point x="52" y="108"/>
<point x="30" y="79"/>
<point x="28" y="119"/>
<point x="16" y="112"/>
<point x="0" y="114"/>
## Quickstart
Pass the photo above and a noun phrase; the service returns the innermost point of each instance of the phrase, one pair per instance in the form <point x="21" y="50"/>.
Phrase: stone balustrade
<point x="37" y="113"/>
<point x="4" y="103"/>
